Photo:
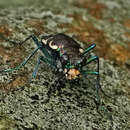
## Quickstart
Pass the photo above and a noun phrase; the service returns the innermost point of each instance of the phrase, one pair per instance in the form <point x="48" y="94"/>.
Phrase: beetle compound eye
<point x="52" y="46"/>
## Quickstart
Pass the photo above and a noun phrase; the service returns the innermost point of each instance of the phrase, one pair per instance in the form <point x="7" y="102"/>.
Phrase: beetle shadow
<point x="78" y="88"/>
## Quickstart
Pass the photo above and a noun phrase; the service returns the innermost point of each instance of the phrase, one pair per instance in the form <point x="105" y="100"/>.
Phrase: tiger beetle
<point x="64" y="54"/>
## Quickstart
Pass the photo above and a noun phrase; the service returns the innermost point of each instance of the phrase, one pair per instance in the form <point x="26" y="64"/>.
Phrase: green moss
<point x="7" y="123"/>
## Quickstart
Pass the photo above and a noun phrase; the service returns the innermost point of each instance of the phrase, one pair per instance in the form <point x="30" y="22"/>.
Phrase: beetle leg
<point x="36" y="67"/>
<point x="48" y="61"/>
<point x="42" y="48"/>
<point x="98" y="86"/>
<point x="41" y="58"/>
<point x="88" y="49"/>
<point x="94" y="58"/>
<point x="23" y="63"/>
<point x="89" y="72"/>
<point x="34" y="38"/>
<point x="97" y="82"/>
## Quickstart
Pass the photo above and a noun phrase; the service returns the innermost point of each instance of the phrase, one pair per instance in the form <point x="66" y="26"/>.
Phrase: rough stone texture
<point x="45" y="104"/>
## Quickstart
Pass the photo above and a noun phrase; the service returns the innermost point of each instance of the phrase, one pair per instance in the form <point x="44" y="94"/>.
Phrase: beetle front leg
<point x="95" y="58"/>
<point x="98" y="86"/>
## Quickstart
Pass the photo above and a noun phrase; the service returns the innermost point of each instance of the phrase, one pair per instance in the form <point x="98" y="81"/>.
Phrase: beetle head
<point x="72" y="64"/>
<point x="72" y="68"/>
